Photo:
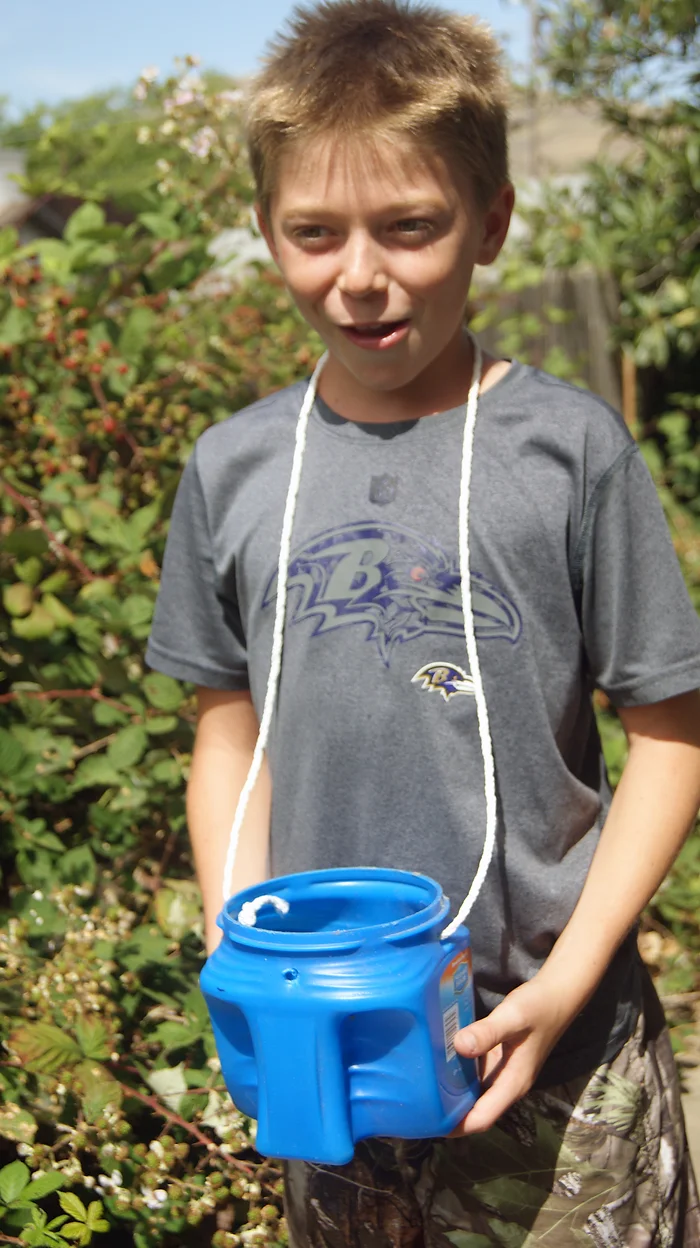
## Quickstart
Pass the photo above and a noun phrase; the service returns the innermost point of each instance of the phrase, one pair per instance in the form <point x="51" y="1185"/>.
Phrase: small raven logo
<point x="444" y="678"/>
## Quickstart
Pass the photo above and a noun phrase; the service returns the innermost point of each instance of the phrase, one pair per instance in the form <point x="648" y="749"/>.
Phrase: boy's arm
<point x="652" y="810"/>
<point x="227" y="729"/>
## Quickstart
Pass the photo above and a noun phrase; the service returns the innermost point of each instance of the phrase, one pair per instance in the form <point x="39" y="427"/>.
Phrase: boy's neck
<point x="441" y="387"/>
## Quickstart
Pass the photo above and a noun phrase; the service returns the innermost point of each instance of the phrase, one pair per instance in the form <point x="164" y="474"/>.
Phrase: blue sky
<point x="51" y="51"/>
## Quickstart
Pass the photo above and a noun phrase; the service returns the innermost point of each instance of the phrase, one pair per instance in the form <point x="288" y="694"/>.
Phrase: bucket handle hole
<point x="290" y="975"/>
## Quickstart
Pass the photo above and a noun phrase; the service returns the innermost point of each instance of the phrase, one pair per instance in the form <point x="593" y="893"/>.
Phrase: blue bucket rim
<point x="434" y="912"/>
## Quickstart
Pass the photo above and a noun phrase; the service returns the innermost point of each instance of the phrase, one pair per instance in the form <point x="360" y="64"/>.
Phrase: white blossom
<point x="112" y="1182"/>
<point x="150" y="73"/>
<point x="200" y="144"/>
<point x="154" y="1200"/>
<point x="230" y="97"/>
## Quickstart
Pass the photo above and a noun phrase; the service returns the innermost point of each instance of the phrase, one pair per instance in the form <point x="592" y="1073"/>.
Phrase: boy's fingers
<point x="492" y="1103"/>
<point x="479" y="1038"/>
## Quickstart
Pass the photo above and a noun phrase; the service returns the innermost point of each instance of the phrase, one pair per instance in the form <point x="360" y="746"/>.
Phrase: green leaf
<point x="29" y="570"/>
<point x="44" y="1185"/>
<point x="85" y="221"/>
<point x="73" y="519"/>
<point x="95" y="771"/>
<point x="13" y="1180"/>
<point x="16" y="327"/>
<point x="43" y="1048"/>
<point x="107" y="716"/>
<point x="142" y="521"/>
<point x="169" y="1084"/>
<point x="17" y="599"/>
<point x="58" y="611"/>
<point x="36" y="626"/>
<point x="25" y="542"/>
<point x="159" y="225"/>
<point x="16" y="1123"/>
<point x="128" y="747"/>
<point x="78" y="866"/>
<point x="97" y="591"/>
<point x="98" y="1089"/>
<point x="73" y="1206"/>
<point x="94" y="1216"/>
<point x="35" y="868"/>
<point x="136" y="333"/>
<point x="93" y="1038"/>
<point x="145" y="945"/>
<point x="137" y="609"/>
<point x="55" y="583"/>
<point x="161" y="723"/>
<point x="11" y="753"/>
<point x="164" y="693"/>
<point x="177" y="912"/>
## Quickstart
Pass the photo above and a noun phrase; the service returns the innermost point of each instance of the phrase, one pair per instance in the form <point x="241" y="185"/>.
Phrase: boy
<point x="377" y="139"/>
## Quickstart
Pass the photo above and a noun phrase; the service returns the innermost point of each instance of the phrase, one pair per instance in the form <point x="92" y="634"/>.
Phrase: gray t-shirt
<point x="374" y="750"/>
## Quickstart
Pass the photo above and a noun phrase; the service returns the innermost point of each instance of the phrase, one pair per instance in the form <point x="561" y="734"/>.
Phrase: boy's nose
<point x="362" y="272"/>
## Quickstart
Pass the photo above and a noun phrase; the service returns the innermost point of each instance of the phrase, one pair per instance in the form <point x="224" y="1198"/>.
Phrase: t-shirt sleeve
<point x="197" y="633"/>
<point x="641" y="632"/>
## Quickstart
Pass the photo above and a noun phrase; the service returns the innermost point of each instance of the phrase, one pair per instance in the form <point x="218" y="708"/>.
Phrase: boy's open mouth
<point x="376" y="335"/>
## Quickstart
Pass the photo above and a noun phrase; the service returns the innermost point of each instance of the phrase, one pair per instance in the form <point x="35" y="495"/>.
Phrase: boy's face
<point x="377" y="245"/>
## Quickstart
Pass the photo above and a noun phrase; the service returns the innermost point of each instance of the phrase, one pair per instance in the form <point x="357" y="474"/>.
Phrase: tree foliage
<point x="112" y="361"/>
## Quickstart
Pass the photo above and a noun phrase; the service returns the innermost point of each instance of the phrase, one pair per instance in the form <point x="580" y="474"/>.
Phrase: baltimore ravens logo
<point x="443" y="678"/>
<point x="394" y="583"/>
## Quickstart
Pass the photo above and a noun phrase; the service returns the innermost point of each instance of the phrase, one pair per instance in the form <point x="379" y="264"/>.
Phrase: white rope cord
<point x="472" y="652"/>
<point x="278" y="629"/>
<point x="469" y="633"/>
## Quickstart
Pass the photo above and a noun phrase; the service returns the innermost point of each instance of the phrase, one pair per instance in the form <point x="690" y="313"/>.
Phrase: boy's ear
<point x="495" y="224"/>
<point x="266" y="231"/>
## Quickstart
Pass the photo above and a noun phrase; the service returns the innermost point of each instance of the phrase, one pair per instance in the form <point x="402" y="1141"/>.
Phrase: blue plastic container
<point x="335" y="1021"/>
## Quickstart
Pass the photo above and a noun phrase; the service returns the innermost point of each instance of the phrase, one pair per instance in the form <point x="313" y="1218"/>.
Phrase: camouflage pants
<point x="601" y="1161"/>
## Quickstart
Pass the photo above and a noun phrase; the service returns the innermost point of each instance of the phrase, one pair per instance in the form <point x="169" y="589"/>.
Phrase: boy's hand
<point x="513" y="1043"/>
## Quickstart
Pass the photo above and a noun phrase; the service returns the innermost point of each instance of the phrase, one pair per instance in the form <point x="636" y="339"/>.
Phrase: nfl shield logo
<point x="383" y="489"/>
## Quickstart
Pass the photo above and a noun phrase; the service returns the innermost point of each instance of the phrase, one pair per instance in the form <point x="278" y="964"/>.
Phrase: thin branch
<point x="50" y="695"/>
<point x="644" y="280"/>
<point x="58" y="548"/>
<point x="93" y="747"/>
<point x="191" y="1129"/>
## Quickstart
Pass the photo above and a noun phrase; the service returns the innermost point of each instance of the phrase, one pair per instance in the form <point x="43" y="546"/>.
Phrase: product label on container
<point x="456" y="1005"/>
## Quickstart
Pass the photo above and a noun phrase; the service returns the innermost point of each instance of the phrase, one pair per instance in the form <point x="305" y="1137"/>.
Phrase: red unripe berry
<point x="20" y="301"/>
<point x="123" y="368"/>
<point x="109" y="424"/>
<point x="104" y="346"/>
<point x="51" y="336"/>
<point x="96" y="368"/>
<point x="70" y="362"/>
<point x="79" y="335"/>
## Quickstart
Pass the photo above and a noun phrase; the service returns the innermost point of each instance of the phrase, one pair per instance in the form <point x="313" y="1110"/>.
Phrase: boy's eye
<point x="413" y="227"/>
<point x="310" y="233"/>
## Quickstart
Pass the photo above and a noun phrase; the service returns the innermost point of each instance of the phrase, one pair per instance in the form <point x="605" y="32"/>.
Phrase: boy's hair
<point x="383" y="69"/>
